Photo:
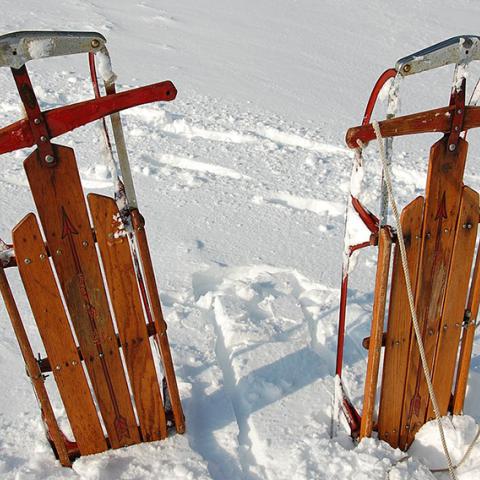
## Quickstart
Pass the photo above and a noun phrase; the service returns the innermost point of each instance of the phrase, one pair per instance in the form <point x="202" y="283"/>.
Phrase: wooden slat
<point x="442" y="203"/>
<point x="34" y="373"/>
<point x="127" y="306"/>
<point x="52" y="322"/>
<point x="455" y="299"/>
<point x="431" y="121"/>
<point x="58" y="195"/>
<point x="397" y="342"/>
<point x="161" y="326"/>
<point x="467" y="340"/>
<point x="376" y="331"/>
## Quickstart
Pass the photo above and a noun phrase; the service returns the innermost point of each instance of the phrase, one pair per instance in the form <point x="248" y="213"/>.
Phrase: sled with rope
<point x="427" y="285"/>
<point x="86" y="266"/>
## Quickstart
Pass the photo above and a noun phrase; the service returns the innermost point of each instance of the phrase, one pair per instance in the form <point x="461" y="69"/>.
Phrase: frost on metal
<point x="40" y="48"/>
<point x="104" y="65"/>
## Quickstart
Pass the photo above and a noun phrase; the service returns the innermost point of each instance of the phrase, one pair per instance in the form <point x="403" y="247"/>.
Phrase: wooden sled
<point x="86" y="270"/>
<point x="440" y="231"/>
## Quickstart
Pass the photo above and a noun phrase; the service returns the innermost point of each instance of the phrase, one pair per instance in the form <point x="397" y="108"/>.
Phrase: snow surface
<point x="243" y="181"/>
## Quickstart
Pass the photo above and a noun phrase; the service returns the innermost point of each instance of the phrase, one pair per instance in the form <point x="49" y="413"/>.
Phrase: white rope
<point x="411" y="302"/>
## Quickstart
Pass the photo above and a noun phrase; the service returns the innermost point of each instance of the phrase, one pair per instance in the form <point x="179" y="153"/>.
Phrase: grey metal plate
<point x="460" y="49"/>
<point x="18" y="48"/>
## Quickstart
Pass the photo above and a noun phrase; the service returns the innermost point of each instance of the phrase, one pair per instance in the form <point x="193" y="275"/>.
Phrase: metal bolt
<point x="58" y="367"/>
<point x="95" y="43"/>
<point x="430" y="331"/>
<point x="469" y="226"/>
<point x="397" y="342"/>
<point x="428" y="235"/>
<point x="49" y="158"/>
<point x="85" y="243"/>
<point x="36" y="121"/>
<point x="59" y="252"/>
<point x="74" y="362"/>
<point x="42" y="256"/>
<point x="452" y="147"/>
<point x="27" y="261"/>
<point x="43" y="138"/>
<point x="457" y="128"/>
<point x="445" y="327"/>
<point x="457" y="324"/>
<point x="459" y="111"/>
<point x="100" y="355"/>
<point x="406" y="68"/>
<point x="417" y="237"/>
<point x="446" y="230"/>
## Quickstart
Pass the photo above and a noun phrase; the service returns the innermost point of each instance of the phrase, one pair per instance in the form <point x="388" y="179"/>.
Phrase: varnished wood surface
<point x="397" y="342"/>
<point x="58" y="195"/>
<point x="455" y="300"/>
<point x="127" y="306"/>
<point x="33" y="371"/>
<point x="44" y="298"/>
<point x="160" y="324"/>
<point x="376" y="331"/>
<point x="442" y="203"/>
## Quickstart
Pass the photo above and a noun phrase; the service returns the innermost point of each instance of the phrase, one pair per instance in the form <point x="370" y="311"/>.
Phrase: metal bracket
<point x="467" y="318"/>
<point x="18" y="48"/>
<point x="41" y="135"/>
<point x="457" y="100"/>
<point x="455" y="50"/>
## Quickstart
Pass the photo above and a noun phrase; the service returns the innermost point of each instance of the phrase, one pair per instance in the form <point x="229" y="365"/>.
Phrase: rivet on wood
<point x="42" y="256"/>
<point x="43" y="138"/>
<point x="428" y="235"/>
<point x="28" y="261"/>
<point x="452" y="147"/>
<point x="445" y="327"/>
<point x="430" y="331"/>
<point x="49" y="158"/>
<point x="59" y="251"/>
<point x="85" y="243"/>
<point x="445" y="230"/>
<point x="58" y="367"/>
<point x="36" y="121"/>
<point x="74" y="362"/>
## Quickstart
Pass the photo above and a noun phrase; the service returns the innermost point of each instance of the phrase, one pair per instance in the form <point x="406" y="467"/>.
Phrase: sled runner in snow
<point x="439" y="233"/>
<point x="90" y="283"/>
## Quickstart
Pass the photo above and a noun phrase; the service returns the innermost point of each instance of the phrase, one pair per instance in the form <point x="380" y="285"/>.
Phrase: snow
<point x="242" y="181"/>
<point x="40" y="48"/>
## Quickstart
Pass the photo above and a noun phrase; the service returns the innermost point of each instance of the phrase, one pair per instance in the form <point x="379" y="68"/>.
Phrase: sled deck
<point x="439" y="231"/>
<point x="86" y="267"/>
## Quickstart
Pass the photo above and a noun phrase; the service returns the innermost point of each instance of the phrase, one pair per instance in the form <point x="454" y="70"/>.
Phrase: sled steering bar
<point x="16" y="49"/>
<point x="455" y="50"/>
